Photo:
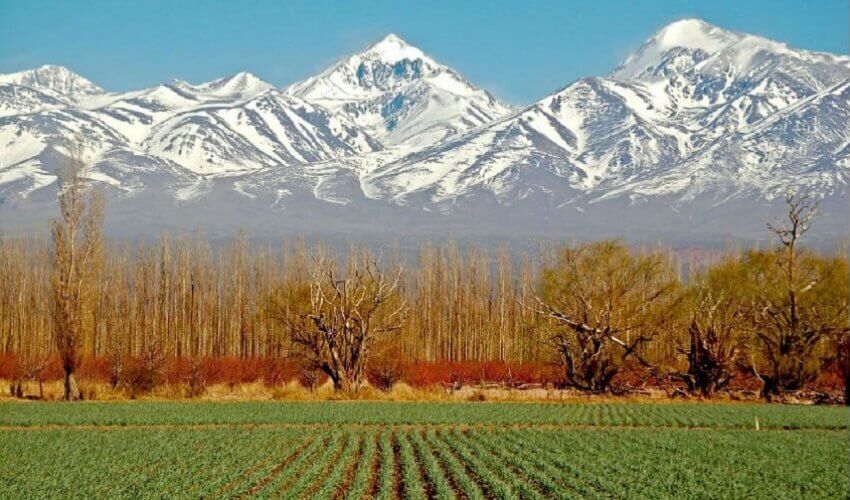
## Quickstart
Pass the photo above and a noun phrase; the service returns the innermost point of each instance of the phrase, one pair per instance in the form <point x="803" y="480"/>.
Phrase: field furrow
<point x="387" y="476"/>
<point x="413" y="488"/>
<point x="343" y="472"/>
<point x="440" y="486"/>
<point x="459" y="472"/>
<point x="284" y="470"/>
<point x="316" y="469"/>
<point x="493" y="484"/>
<point x="363" y="482"/>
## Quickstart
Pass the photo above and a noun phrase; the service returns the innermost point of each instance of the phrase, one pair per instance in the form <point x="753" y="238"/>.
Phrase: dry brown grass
<point x="293" y="391"/>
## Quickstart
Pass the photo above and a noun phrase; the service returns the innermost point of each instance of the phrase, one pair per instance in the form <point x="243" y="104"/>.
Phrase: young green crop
<point x="455" y="466"/>
<point x="678" y="456"/>
<point x="494" y="484"/>
<point x="345" y="461"/>
<point x="715" y="416"/>
<point x="386" y="473"/>
<point x="363" y="469"/>
<point x="441" y="487"/>
<point x="319" y="464"/>
<point x="410" y="476"/>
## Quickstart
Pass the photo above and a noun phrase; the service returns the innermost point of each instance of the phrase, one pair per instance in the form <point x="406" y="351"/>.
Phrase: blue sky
<point x="519" y="50"/>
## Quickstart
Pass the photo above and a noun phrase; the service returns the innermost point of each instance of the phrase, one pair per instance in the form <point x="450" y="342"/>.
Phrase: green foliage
<point x="606" y="303"/>
<point x="795" y="309"/>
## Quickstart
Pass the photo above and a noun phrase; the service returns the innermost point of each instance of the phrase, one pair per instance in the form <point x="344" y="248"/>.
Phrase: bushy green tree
<point x="605" y="303"/>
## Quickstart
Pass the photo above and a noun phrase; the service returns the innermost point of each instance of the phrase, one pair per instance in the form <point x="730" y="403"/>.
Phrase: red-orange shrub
<point x="8" y="366"/>
<point x="271" y="371"/>
<point x="278" y="371"/>
<point x="95" y="368"/>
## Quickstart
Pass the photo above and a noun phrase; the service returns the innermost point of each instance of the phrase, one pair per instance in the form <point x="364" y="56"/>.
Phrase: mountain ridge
<point x="699" y="119"/>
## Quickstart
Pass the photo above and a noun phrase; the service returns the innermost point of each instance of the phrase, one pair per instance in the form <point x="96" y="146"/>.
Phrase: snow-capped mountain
<point x="400" y="95"/>
<point x="697" y="126"/>
<point x="234" y="124"/>
<point x="686" y="114"/>
<point x="269" y="130"/>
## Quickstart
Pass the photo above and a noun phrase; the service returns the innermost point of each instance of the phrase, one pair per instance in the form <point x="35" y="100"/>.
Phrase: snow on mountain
<point x="17" y="99"/>
<point x="242" y="85"/>
<point x="692" y="39"/>
<point x="32" y="145"/>
<point x="698" y="120"/>
<point x="269" y="130"/>
<point x="570" y="141"/>
<point x="692" y="96"/>
<point x="400" y="95"/>
<point x="234" y="124"/>
<point x="56" y="81"/>
<point x="806" y="145"/>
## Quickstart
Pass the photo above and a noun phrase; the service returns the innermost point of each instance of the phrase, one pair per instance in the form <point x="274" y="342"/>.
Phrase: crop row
<point x="726" y="416"/>
<point x="424" y="462"/>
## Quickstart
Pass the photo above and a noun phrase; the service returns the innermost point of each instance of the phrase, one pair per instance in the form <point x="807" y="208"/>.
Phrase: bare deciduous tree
<point x="77" y="245"/>
<point x="346" y="315"/>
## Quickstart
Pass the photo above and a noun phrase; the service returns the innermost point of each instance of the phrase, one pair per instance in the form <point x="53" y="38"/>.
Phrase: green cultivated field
<point x="421" y="450"/>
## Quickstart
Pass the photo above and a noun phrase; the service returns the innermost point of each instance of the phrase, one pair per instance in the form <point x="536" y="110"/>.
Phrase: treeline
<point x="193" y="300"/>
<point x="595" y="309"/>
<point x="598" y="309"/>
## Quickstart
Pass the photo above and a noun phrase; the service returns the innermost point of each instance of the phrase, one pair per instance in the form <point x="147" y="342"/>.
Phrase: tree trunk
<point x="72" y="392"/>
<point x="769" y="389"/>
<point x="344" y="382"/>
<point x="17" y="389"/>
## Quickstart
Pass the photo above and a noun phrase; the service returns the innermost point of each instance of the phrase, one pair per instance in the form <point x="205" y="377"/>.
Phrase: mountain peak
<point x="392" y="49"/>
<point x="694" y="35"/>
<point x="243" y="78"/>
<point x="54" y="79"/>
<point x="392" y="38"/>
<point x="400" y="95"/>
<point x="236" y="86"/>
<point x="382" y="67"/>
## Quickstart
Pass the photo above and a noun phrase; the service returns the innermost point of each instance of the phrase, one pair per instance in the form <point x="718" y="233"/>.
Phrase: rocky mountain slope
<point x="400" y="95"/>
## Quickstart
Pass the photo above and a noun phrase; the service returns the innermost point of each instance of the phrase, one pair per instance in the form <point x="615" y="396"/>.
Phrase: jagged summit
<point x="381" y="67"/>
<point x="400" y="95"/>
